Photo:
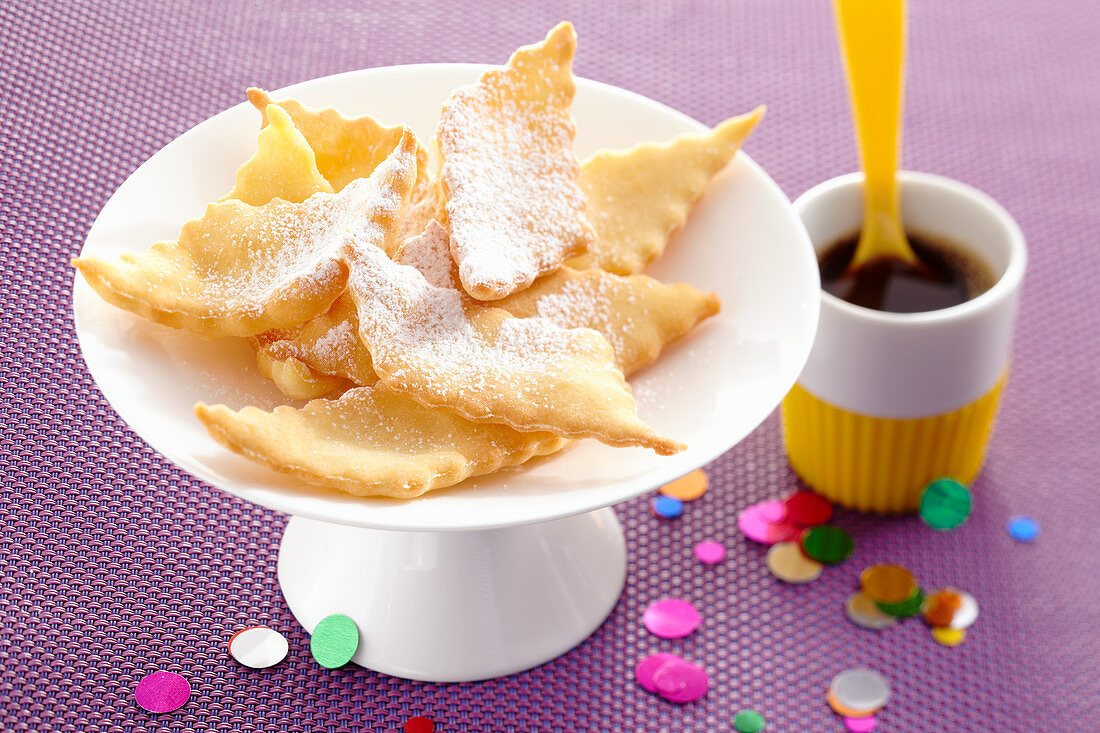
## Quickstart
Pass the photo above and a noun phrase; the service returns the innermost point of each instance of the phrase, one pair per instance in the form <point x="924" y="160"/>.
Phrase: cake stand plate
<point x="506" y="571"/>
<point x="457" y="606"/>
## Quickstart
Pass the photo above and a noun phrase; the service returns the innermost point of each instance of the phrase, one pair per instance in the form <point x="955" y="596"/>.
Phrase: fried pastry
<point x="638" y="197"/>
<point x="348" y="148"/>
<point x="294" y="377"/>
<point x="445" y="350"/>
<point x="399" y="448"/>
<point x="325" y="353"/>
<point x="241" y="270"/>
<point x="312" y="359"/>
<point x="514" y="207"/>
<point x="284" y="166"/>
<point x="372" y="442"/>
<point x="637" y="315"/>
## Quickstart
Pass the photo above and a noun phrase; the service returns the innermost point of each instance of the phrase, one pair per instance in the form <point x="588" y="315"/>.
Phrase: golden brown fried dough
<point x="241" y="270"/>
<point x="284" y="166"/>
<point x="372" y="442"/>
<point x="445" y="350"/>
<point x="514" y="208"/>
<point x="638" y="197"/>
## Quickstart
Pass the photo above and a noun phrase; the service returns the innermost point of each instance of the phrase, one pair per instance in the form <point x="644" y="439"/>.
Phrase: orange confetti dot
<point x="844" y="711"/>
<point x="687" y="488"/>
<point x="888" y="584"/>
<point x="941" y="607"/>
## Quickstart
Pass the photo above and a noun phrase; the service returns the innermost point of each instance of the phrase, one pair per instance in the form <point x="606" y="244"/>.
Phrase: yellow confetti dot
<point x="948" y="636"/>
<point x="688" y="488"/>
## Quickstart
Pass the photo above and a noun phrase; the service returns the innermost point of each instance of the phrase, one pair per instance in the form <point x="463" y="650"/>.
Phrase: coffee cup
<point x="888" y="402"/>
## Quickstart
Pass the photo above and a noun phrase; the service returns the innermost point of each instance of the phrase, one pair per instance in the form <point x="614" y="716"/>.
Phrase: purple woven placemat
<point x="113" y="563"/>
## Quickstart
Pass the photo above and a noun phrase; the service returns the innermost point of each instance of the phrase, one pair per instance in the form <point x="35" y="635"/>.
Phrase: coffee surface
<point x="948" y="275"/>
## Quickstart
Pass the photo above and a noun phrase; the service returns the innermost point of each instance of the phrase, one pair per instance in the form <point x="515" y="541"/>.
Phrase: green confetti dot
<point x="334" y="641"/>
<point x="748" y="721"/>
<point x="944" y="504"/>
<point x="827" y="544"/>
<point x="911" y="606"/>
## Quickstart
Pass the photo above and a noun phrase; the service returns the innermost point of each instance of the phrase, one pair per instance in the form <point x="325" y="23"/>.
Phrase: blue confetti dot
<point x="668" y="507"/>
<point x="1022" y="529"/>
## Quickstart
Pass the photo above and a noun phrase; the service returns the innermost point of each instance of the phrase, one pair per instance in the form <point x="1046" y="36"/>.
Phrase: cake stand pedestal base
<point x="457" y="606"/>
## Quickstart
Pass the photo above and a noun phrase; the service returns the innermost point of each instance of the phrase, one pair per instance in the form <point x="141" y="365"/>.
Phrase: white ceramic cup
<point x="908" y="374"/>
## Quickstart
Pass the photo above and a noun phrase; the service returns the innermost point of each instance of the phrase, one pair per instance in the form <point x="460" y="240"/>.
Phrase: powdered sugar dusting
<point x="438" y="337"/>
<point x="243" y="257"/>
<point x="430" y="253"/>
<point x="587" y="303"/>
<point x="335" y="345"/>
<point x="514" y="207"/>
<point x="328" y="344"/>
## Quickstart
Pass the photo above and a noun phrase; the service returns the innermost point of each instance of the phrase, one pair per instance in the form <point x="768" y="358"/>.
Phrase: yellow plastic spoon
<point x="872" y="37"/>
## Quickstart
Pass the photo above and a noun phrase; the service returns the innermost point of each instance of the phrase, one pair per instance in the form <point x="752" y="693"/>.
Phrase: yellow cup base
<point x="877" y="464"/>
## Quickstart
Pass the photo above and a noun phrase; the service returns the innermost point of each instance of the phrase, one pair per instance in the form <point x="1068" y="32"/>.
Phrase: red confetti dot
<point x="808" y="509"/>
<point x="419" y="724"/>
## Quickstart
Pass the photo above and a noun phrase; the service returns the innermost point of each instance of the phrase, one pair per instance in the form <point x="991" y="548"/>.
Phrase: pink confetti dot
<point x="710" y="552"/>
<point x="861" y="725"/>
<point x="162" y="692"/>
<point x="671" y="618"/>
<point x="773" y="511"/>
<point x="646" y="668"/>
<point x="681" y="681"/>
<point x="755" y="523"/>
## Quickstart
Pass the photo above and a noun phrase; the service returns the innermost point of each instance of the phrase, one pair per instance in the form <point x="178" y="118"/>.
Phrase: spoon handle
<point x="872" y="37"/>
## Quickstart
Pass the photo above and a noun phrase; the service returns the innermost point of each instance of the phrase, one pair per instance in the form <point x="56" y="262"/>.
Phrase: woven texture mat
<point x="113" y="563"/>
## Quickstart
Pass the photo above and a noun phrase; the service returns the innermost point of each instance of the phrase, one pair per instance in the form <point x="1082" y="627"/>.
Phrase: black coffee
<point x="947" y="275"/>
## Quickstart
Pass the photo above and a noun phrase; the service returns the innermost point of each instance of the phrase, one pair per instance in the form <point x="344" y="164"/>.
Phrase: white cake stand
<point x="504" y="572"/>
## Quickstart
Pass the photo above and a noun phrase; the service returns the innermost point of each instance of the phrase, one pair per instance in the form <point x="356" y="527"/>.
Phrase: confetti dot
<point x="786" y="562"/>
<point x="334" y="641"/>
<point x="419" y="724"/>
<point x="755" y="523"/>
<point x="1022" y="529"/>
<point x="967" y="614"/>
<point x="688" y="488"/>
<point x="748" y="721"/>
<point x="258" y="647"/>
<point x="887" y="583"/>
<point x="944" y="504"/>
<point x="861" y="725"/>
<point x="671" y="618"/>
<point x="667" y="507"/>
<point x="808" y="509"/>
<point x="863" y="612"/>
<point x="646" y="668"/>
<point x="162" y="692"/>
<point x="710" y="552"/>
<point x="948" y="636"/>
<point x="773" y="511"/>
<point x="911" y="606"/>
<point x="827" y="544"/>
<point x="680" y="681"/>
<point x="940" y="607"/>
<point x="860" y="689"/>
